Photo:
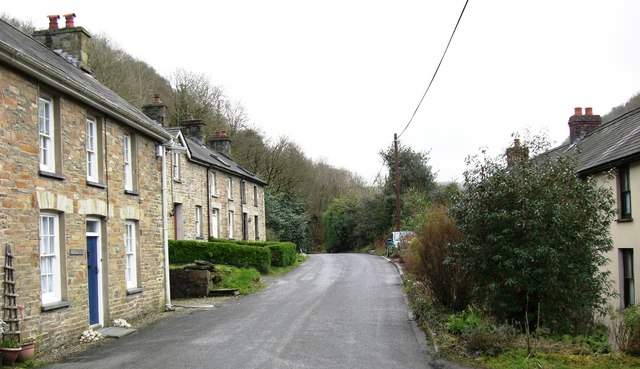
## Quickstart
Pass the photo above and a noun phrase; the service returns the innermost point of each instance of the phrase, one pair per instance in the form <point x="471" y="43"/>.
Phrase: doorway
<point x="94" y="271"/>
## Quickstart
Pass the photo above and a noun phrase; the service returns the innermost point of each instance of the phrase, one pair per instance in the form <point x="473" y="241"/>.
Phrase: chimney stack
<point x="221" y="143"/>
<point x="516" y="153"/>
<point x="580" y="125"/>
<point x="71" y="39"/>
<point x="193" y="127"/>
<point x="156" y="110"/>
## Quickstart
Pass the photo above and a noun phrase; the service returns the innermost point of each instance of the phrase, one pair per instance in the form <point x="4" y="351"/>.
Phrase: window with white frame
<point x="50" y="278"/>
<point x="176" y="166"/>
<point x="91" y="146"/>
<point x="214" y="184"/>
<point x="230" y="224"/>
<point x="230" y="188"/>
<point x="215" y="223"/>
<point x="47" y="130"/>
<point x="131" y="254"/>
<point x="198" y="221"/>
<point x="128" y="163"/>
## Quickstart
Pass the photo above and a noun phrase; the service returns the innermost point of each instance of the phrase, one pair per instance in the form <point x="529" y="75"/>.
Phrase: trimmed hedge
<point x="227" y="253"/>
<point x="283" y="254"/>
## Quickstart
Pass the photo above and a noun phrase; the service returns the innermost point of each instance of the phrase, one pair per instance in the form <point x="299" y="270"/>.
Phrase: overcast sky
<point x="340" y="77"/>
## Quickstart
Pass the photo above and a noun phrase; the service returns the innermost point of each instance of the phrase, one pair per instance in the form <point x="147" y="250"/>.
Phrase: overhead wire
<point x="436" y="71"/>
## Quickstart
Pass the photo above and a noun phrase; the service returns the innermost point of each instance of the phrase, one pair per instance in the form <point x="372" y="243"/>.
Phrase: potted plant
<point x="10" y="350"/>
<point x="27" y="351"/>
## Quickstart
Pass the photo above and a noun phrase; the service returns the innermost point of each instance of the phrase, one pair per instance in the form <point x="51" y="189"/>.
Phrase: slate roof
<point x="613" y="143"/>
<point x="200" y="152"/>
<point x="23" y="52"/>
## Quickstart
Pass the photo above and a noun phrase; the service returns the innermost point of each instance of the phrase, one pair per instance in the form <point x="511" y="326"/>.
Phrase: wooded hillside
<point x="299" y="189"/>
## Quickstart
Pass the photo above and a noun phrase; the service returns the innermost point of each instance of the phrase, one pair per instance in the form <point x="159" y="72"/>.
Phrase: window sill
<point x="52" y="175"/>
<point x="624" y="220"/>
<point x="134" y="291"/>
<point x="132" y="193"/>
<point x="55" y="305"/>
<point x="199" y="238"/>
<point x="177" y="180"/>
<point x="96" y="184"/>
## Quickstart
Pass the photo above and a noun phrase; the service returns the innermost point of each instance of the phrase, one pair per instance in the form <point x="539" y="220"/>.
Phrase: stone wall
<point x="24" y="193"/>
<point x="191" y="191"/>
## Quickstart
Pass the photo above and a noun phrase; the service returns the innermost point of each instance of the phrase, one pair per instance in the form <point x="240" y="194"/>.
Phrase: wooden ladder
<point x="10" y="307"/>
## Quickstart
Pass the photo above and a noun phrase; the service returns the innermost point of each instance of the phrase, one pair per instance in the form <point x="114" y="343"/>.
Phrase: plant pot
<point x="9" y="355"/>
<point x="28" y="352"/>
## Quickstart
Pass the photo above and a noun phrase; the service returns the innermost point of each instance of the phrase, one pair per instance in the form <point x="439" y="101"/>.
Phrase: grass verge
<point x="276" y="271"/>
<point x="247" y="281"/>
<point x="500" y="347"/>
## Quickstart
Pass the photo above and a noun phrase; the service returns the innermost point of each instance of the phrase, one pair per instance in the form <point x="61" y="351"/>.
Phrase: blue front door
<point x="92" y="273"/>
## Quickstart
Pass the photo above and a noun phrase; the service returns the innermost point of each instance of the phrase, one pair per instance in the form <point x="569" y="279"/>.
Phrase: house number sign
<point x="76" y="252"/>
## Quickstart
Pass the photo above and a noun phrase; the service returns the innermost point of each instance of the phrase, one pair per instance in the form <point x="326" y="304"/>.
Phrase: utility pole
<point x="397" y="175"/>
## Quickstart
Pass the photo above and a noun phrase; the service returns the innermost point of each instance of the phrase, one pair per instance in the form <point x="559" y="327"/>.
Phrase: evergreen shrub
<point x="226" y="253"/>
<point x="283" y="254"/>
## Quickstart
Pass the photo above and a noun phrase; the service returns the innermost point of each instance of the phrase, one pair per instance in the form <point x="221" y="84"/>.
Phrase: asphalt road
<point x="334" y="311"/>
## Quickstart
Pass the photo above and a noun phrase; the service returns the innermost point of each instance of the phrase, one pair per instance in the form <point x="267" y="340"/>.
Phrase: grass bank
<point x="471" y="339"/>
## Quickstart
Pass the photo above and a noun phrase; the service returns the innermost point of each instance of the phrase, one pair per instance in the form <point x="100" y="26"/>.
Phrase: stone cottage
<point x="80" y="189"/>
<point x="210" y="194"/>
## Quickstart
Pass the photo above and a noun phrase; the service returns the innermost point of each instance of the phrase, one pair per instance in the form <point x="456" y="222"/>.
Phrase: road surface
<point x="334" y="311"/>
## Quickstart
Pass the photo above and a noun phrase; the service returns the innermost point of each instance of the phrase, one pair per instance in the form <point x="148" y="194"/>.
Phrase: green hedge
<point x="227" y="253"/>
<point x="282" y="253"/>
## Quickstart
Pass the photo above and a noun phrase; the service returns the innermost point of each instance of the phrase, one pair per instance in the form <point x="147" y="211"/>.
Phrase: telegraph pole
<point x="397" y="175"/>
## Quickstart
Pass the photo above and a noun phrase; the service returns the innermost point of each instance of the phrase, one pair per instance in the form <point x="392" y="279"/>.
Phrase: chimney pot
<point x="69" y="20"/>
<point x="578" y="111"/>
<point x="189" y="116"/>
<point x="156" y="98"/>
<point x="53" y="21"/>
<point x="588" y="111"/>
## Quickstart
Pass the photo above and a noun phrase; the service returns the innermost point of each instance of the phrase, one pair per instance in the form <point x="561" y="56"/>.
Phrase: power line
<point x="437" y="68"/>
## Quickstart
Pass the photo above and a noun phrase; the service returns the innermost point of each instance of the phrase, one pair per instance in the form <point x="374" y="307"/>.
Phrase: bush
<point x="479" y="333"/>
<point x="625" y="329"/>
<point x="464" y="321"/>
<point x="221" y="253"/>
<point x="430" y="260"/>
<point x="536" y="236"/>
<point x="283" y="254"/>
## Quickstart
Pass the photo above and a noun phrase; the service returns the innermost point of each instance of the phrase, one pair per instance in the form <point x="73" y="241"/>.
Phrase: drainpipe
<point x="165" y="235"/>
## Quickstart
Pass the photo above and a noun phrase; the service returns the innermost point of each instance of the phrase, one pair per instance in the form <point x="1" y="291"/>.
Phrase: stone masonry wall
<point x="191" y="191"/>
<point x="24" y="193"/>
